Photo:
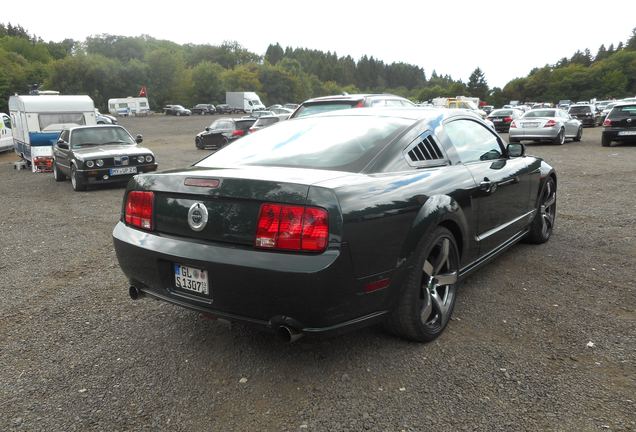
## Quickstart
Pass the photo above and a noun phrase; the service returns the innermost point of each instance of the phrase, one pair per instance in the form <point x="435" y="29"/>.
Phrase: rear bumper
<point x="613" y="134"/>
<point x="314" y="294"/>
<point x="534" y="133"/>
<point x="587" y="121"/>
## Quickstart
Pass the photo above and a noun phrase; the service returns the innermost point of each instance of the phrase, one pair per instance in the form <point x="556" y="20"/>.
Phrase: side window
<point x="473" y="141"/>
<point x="64" y="135"/>
<point x="7" y="122"/>
<point x="378" y="103"/>
<point x="394" y="102"/>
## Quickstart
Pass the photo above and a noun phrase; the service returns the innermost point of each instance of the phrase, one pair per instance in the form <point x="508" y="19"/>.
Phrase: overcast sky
<point x="505" y="39"/>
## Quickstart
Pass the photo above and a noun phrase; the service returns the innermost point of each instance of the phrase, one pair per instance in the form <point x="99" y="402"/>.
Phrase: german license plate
<point x="530" y="125"/>
<point x="624" y="133"/>
<point x="497" y="120"/>
<point x="191" y="279"/>
<point x="126" y="170"/>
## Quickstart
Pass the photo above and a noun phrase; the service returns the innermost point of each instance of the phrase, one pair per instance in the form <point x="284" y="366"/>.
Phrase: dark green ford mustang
<point x="336" y="221"/>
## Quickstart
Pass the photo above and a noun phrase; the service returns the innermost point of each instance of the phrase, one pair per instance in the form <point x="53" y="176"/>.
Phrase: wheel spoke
<point x="550" y="201"/>
<point x="427" y="308"/>
<point x="428" y="268"/>
<point x="438" y="304"/>
<point x="442" y="258"/>
<point x="548" y="218"/>
<point x="446" y="279"/>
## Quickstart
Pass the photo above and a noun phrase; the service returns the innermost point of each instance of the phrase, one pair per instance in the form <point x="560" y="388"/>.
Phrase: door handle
<point x="487" y="186"/>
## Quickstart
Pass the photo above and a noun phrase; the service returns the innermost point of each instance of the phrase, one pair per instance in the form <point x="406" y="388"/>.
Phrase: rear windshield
<point x="307" y="110"/>
<point x="623" y="111"/>
<point x="501" y="113"/>
<point x="244" y="124"/>
<point x="312" y="143"/>
<point x="580" y="109"/>
<point x="540" y="113"/>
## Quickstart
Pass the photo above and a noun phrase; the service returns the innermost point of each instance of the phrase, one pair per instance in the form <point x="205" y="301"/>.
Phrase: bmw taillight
<point x="139" y="209"/>
<point x="359" y="105"/>
<point x="507" y="119"/>
<point x="550" y="123"/>
<point x="513" y="125"/>
<point x="294" y="228"/>
<point x="238" y="132"/>
<point x="607" y="123"/>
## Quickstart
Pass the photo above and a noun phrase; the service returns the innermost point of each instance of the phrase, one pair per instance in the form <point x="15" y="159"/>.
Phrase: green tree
<point x="208" y="83"/>
<point x="477" y="85"/>
<point x="274" y="53"/>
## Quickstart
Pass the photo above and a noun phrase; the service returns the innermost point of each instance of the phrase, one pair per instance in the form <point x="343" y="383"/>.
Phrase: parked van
<point x="130" y="106"/>
<point x="38" y="120"/>
<point x="6" y="136"/>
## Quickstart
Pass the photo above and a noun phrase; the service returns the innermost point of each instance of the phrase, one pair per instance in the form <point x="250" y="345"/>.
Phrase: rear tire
<point x="543" y="223"/>
<point x="429" y="291"/>
<point x="579" y="134"/>
<point x="560" y="138"/>
<point x="605" y="141"/>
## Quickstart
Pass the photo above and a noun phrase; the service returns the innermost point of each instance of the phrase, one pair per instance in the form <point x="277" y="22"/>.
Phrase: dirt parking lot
<point x="544" y="338"/>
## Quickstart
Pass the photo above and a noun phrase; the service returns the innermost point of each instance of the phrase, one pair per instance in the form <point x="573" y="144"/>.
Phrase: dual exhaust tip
<point x="286" y="333"/>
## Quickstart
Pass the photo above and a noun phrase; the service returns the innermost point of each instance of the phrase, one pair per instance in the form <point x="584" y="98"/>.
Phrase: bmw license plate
<point x="126" y="170"/>
<point x="191" y="279"/>
<point x="496" y="120"/>
<point x="623" y="133"/>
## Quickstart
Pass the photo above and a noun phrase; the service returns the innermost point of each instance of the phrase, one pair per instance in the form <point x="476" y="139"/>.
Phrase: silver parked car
<point x="546" y="125"/>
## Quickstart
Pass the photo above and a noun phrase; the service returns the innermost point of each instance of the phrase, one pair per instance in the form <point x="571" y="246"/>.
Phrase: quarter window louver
<point x="425" y="150"/>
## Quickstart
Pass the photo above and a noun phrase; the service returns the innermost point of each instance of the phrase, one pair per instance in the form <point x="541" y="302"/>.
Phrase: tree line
<point x="107" y="66"/>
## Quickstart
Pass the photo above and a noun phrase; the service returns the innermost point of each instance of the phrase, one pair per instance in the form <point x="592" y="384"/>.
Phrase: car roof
<point x="410" y="113"/>
<point x="350" y="97"/>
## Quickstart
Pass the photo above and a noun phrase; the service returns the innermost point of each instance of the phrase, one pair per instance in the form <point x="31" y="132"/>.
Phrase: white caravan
<point x="6" y="136"/>
<point x="129" y="106"/>
<point x="38" y="120"/>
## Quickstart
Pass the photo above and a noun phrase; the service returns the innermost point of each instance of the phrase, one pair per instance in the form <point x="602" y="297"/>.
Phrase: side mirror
<point x="62" y="144"/>
<point x="515" y="150"/>
<point x="139" y="139"/>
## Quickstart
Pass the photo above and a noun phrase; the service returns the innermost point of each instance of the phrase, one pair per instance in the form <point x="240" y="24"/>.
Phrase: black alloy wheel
<point x="543" y="223"/>
<point x="428" y="298"/>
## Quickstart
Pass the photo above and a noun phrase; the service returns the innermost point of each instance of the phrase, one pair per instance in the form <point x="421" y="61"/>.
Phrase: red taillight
<point x="513" y="125"/>
<point x="139" y="209"/>
<point x="289" y="227"/>
<point x="252" y="130"/>
<point x="607" y="122"/>
<point x="507" y="119"/>
<point x="238" y="132"/>
<point x="550" y="123"/>
<point x="359" y="105"/>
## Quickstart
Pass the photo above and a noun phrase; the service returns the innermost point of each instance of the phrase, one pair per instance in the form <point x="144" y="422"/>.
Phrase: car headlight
<point x="148" y="158"/>
<point x="90" y="164"/>
<point x="100" y="163"/>
<point x="140" y="159"/>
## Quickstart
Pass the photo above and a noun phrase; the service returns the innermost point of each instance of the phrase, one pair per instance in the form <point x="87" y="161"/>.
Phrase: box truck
<point x="38" y="120"/>
<point x="245" y="102"/>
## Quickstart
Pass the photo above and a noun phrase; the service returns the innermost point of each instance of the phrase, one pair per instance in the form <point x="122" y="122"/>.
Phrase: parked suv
<point x="224" y="109"/>
<point x="203" y="109"/>
<point x="587" y="114"/>
<point x="333" y="103"/>
<point x="620" y="124"/>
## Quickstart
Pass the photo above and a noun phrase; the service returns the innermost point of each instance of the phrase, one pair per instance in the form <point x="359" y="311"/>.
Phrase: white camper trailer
<point x="130" y="106"/>
<point x="38" y="120"/>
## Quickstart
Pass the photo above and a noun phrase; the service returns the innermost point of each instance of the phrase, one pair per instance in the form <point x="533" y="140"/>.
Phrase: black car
<point x="620" y="124"/>
<point x="339" y="102"/>
<point x="501" y="118"/>
<point x="224" y="109"/>
<point x="203" y="109"/>
<point x="92" y="155"/>
<point x="176" y="110"/>
<point x="586" y="114"/>
<point x="336" y="221"/>
<point x="223" y="131"/>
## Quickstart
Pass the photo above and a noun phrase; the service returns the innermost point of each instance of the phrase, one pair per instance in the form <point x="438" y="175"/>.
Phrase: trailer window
<point x="56" y="121"/>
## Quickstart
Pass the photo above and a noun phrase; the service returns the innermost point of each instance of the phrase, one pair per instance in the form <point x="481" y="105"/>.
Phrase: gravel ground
<point x="544" y="338"/>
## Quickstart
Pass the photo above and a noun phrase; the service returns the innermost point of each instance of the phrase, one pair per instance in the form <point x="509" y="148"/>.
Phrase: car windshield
<point x="312" y="143"/>
<point x="100" y="135"/>
<point x="311" y="109"/>
<point x="580" y="109"/>
<point x="540" y="113"/>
